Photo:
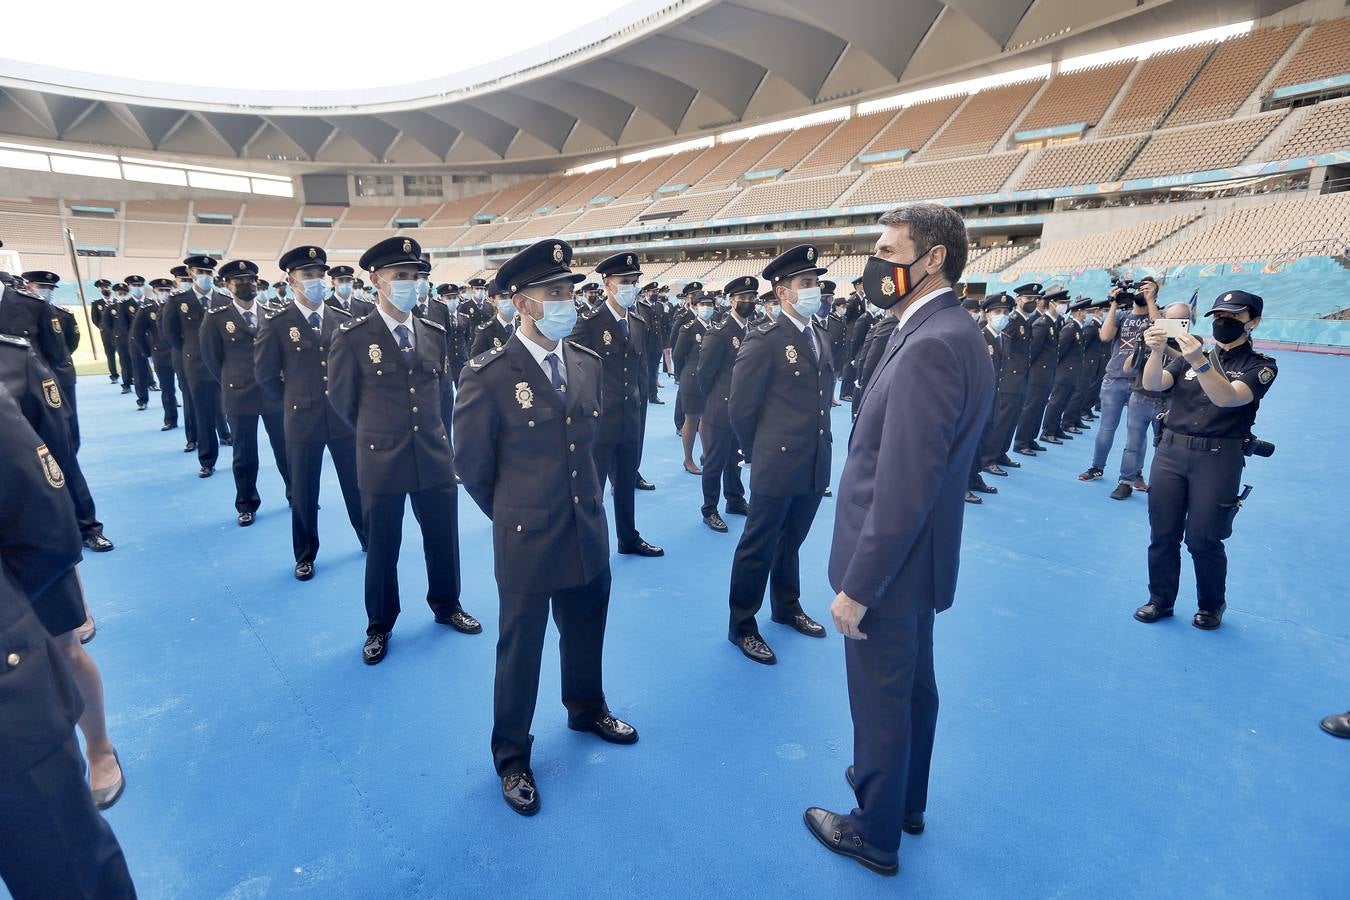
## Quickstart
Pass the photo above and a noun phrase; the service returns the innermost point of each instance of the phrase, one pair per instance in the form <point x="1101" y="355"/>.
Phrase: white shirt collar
<point x="254" y="310"/>
<point x="505" y="323"/>
<point x="305" y="310"/>
<point x="539" y="353"/>
<point x="800" y="326"/>
<point x="394" y="323"/>
<point x="617" y="317"/>
<point x="920" y="304"/>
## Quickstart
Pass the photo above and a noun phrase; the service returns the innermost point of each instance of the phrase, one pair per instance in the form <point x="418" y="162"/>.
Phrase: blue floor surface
<point x="1079" y="753"/>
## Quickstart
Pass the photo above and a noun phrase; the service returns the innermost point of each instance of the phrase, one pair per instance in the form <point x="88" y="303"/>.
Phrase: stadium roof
<point x="652" y="72"/>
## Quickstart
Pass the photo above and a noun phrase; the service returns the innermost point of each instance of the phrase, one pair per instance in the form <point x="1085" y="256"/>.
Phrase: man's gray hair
<point x="1180" y="307"/>
<point x="931" y="224"/>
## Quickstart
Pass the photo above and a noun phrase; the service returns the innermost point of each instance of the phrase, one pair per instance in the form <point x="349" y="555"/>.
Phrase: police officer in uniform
<point x="526" y="422"/>
<point x="386" y="379"/>
<point x="716" y="362"/>
<point x="690" y="397"/>
<point x="227" y="339"/>
<point x="181" y="323"/>
<point x="99" y="312"/>
<point x="43" y="286"/>
<point x="495" y="332"/>
<point x="1068" y="368"/>
<point x="290" y="362"/>
<point x="1012" y="386"/>
<point x="617" y="333"/>
<point x="781" y="390"/>
<point x="681" y="317"/>
<point x="139" y="365"/>
<point x="1197" y="467"/>
<point x="344" y="292"/>
<point x="28" y="316"/>
<point x="182" y="281"/>
<point x="152" y="345"/>
<point x="995" y="309"/>
<point x="654" y="312"/>
<point x="1043" y="351"/>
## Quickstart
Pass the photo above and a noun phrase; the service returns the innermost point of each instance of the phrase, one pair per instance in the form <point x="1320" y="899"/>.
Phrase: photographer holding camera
<point x="1197" y="467"/>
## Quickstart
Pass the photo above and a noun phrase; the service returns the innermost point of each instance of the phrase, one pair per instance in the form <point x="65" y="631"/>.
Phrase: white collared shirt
<point x="617" y="316"/>
<point x="804" y="328"/>
<point x="918" y="305"/>
<point x="539" y="353"/>
<point x="305" y="311"/>
<point x="394" y="323"/>
<point x="257" y="318"/>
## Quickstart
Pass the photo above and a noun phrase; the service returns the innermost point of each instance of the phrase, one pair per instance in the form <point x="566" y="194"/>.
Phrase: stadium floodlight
<point x="815" y="118"/>
<point x="973" y="86"/>
<point x="669" y="150"/>
<point x="1162" y="45"/>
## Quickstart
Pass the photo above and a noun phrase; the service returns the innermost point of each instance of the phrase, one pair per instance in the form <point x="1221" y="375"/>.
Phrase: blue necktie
<point x="315" y="322"/>
<point x="248" y="321"/>
<point x="404" y="344"/>
<point x="510" y="329"/>
<point x="623" y="326"/>
<point x="558" y="384"/>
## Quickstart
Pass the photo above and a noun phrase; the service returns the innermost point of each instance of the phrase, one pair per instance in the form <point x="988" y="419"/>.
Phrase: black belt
<point x="1200" y="443"/>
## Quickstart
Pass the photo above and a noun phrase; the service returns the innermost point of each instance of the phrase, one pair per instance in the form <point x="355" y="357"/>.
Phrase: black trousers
<point x="305" y="462"/>
<point x="68" y="391"/>
<point x="56" y="843"/>
<point x="189" y="417"/>
<point x="721" y="469"/>
<point x="653" y="364"/>
<point x="140" y="374"/>
<point x="678" y="408"/>
<point x="998" y="431"/>
<point x="1192" y="493"/>
<point x="109" y="351"/>
<point x="619" y="463"/>
<point x="1073" y="413"/>
<point x="245" y="457"/>
<point x="85" y="514"/>
<point x="1033" y="411"/>
<point x="168" y="397"/>
<point x="1056" y="406"/>
<point x="437" y="512"/>
<point x="767" y="554"/>
<point x="124" y="359"/>
<point x="206" y="412"/>
<point x="580" y="614"/>
<point x="893" y="696"/>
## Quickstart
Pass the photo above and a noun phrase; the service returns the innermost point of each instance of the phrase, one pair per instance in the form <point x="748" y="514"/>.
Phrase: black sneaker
<point x="1122" y="492"/>
<point x="1092" y="474"/>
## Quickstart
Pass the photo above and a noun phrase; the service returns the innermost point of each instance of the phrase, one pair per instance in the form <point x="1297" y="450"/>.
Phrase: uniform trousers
<point x="109" y="351"/>
<point x="140" y="374"/>
<point x="437" y="512"/>
<point x="768" y="554"/>
<point x="619" y="463"/>
<point x="124" y="363"/>
<point x="1056" y="407"/>
<point x="245" y="458"/>
<point x="721" y="468"/>
<point x="998" y="431"/>
<point x="168" y="397"/>
<point x="304" y="459"/>
<point x="206" y="408"/>
<point x="1033" y="411"/>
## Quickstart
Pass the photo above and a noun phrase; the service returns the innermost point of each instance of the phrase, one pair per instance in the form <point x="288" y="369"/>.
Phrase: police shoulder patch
<point x="216" y="310"/>
<point x="484" y="359"/>
<point x="484" y="327"/>
<point x="1265" y="375"/>
<point x="51" y="393"/>
<point x="272" y="315"/>
<point x="50" y="469"/>
<point x="340" y="311"/>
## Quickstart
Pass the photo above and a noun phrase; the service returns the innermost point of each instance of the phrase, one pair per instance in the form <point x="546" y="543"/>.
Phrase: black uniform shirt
<point x="1192" y="413"/>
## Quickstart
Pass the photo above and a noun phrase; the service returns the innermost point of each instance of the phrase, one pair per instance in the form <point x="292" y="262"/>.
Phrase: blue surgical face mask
<point x="807" y="302"/>
<point x="560" y="317"/>
<point x="344" y="291"/>
<point x="704" y="312"/>
<point x="627" y="295"/>
<point x="204" y="283"/>
<point x="137" y="292"/>
<point x="403" y="295"/>
<point x="44" y="291"/>
<point x="998" y="322"/>
<point x="423" y="289"/>
<point x="772" y="311"/>
<point x="506" y="308"/>
<point x="163" y="295"/>
<point x="313" y="289"/>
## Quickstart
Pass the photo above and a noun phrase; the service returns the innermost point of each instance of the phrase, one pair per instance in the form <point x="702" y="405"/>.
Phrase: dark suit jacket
<point x="401" y="443"/>
<point x="290" y="364"/>
<point x="525" y="455"/>
<point x="29" y="317"/>
<point x="901" y="499"/>
<point x="780" y="410"/>
<point x="621" y="364"/>
<point x="716" y="362"/>
<point x="1043" y="349"/>
<point x="227" y="351"/>
<point x="145" y="333"/>
<point x="181" y="322"/>
<point x="491" y="335"/>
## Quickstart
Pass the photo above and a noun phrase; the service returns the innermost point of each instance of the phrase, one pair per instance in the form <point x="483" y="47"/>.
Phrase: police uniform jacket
<point x="290" y="364"/>
<point x="24" y="315"/>
<point x="525" y="455"/>
<point x="716" y="361"/>
<point x="491" y="335"/>
<point x="873" y="345"/>
<point x="401" y="444"/>
<point x="1191" y="411"/>
<point x="780" y="409"/>
<point x="1043" y="348"/>
<point x="684" y="356"/>
<point x="676" y="321"/>
<point x="99" y="313"/>
<point x="227" y="351"/>
<point x="437" y="312"/>
<point x="1069" y="354"/>
<point x="145" y="332"/>
<point x="181" y="324"/>
<point x="124" y="313"/>
<point x="621" y="365"/>
<point x="997" y="354"/>
<point x="1017" y="347"/>
<point x="67" y="325"/>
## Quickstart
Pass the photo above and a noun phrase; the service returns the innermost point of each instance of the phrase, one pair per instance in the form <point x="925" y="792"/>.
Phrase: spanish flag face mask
<point x="887" y="283"/>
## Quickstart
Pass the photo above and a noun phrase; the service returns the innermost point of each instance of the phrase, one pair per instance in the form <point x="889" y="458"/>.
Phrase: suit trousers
<point x="185" y="389"/>
<point x="893" y="696"/>
<point x="109" y="351"/>
<point x="619" y="463"/>
<point x="168" y="397"/>
<point x="437" y="513"/>
<point x="1033" y="411"/>
<point x="56" y="843"/>
<point x="245" y="458"/>
<point x="124" y="363"/>
<point x="140" y="374"/>
<point x="206" y="407"/>
<point x="998" y="431"/>
<point x="305" y="462"/>
<point x="1064" y="388"/>
<point x="721" y="469"/>
<point x="580" y="614"/>
<point x="768" y="554"/>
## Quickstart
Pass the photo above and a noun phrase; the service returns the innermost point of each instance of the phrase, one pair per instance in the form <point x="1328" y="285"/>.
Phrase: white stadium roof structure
<point x="653" y="72"/>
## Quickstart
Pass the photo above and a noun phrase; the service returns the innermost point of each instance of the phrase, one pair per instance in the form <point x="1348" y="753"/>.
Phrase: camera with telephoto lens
<point x="1254" y="446"/>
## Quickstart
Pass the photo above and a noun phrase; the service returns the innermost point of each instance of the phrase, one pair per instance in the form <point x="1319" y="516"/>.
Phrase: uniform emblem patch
<point x="295" y="334"/>
<point x="1265" y="375"/>
<point x="1190" y="375"/>
<point x="557" y="253"/>
<point x="791" y="353"/>
<point x="888" y="286"/>
<point x="735" y="343"/>
<point x="55" y="477"/>
<point x="810" y="254"/>
<point x="496" y="343"/>
<point x="607" y="338"/>
<point x="182" y="307"/>
<point x="153" y="316"/>
<point x="524" y="396"/>
<point x="51" y="393"/>
<point x="56" y="325"/>
<point x="407" y="246"/>
<point x="375" y="355"/>
<point x="313" y="253"/>
<point x="229" y="326"/>
<point x="698" y="339"/>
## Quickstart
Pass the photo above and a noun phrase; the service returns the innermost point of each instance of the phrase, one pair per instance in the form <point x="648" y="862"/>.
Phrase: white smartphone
<point x="1175" y="327"/>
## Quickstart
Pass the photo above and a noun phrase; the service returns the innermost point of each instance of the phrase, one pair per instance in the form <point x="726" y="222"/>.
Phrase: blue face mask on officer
<point x="558" y="313"/>
<point x="402" y="293"/>
<point x="807" y="302"/>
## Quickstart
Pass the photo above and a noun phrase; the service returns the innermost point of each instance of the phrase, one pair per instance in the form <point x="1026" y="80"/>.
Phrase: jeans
<point x="1114" y="395"/>
<point x="1143" y="413"/>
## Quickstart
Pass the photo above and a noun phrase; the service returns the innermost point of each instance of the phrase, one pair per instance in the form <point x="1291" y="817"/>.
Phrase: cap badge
<point x="1227" y="297"/>
<point x="51" y="393"/>
<point x="407" y="246"/>
<point x="524" y="396"/>
<point x="313" y="253"/>
<point x="629" y="260"/>
<point x="55" y="477"/>
<point x="375" y="355"/>
<point x="557" y="253"/>
<point x="295" y="334"/>
<point x="791" y="353"/>
<point x="810" y="254"/>
<point x="229" y="326"/>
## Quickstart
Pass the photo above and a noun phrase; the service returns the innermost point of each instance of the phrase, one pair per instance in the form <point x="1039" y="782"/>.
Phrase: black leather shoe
<point x="126" y="389"/>
<point x="836" y="834"/>
<point x="642" y="548"/>
<point x="738" y="508"/>
<point x="1074" y="429"/>
<point x="154" y="387"/>
<point x="112" y="379"/>
<point x="1050" y="439"/>
<point x="167" y="427"/>
<point x="657" y="400"/>
<point x="608" y="728"/>
<point x="461" y="622"/>
<point x="140" y="407"/>
<point x="304" y="571"/>
<point x="1209" y="619"/>
<point x="1152" y="612"/>
<point x="714" y="521"/>
<point x="1037" y="447"/>
<point x="995" y="469"/>
<point x="645" y="485"/>
<point x="980" y="487"/>
<point x="520" y="793"/>
<point x="1338" y="725"/>
<point x="189" y="446"/>
<point x="205" y="472"/>
<point x="227" y="441"/>
<point x="377" y="645"/>
<point x="829" y="493"/>
<point x="1008" y="463"/>
<point x="245" y="519"/>
<point x="98" y="543"/>
<point x="1024" y="451"/>
<point x="804" y="624"/>
<point x="972" y="499"/>
<point x="754" y="648"/>
<point x="913" y="823"/>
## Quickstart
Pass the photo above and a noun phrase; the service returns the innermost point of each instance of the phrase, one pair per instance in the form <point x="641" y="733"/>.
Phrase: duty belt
<point x="1200" y="443"/>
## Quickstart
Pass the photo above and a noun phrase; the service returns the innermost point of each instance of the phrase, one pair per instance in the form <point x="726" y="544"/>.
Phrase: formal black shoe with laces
<point x="642" y="548"/>
<point x="1050" y="439"/>
<point x="804" y="624"/>
<point x="112" y="379"/>
<point x="657" y="400"/>
<point x="304" y="571"/>
<point x="1337" y="725"/>
<point x="995" y="469"/>
<point x="227" y="441"/>
<point x="189" y="446"/>
<point x="1024" y="451"/>
<point x="1209" y="619"/>
<point x="460" y="621"/>
<point x="913" y="823"/>
<point x="972" y="499"/>
<point x="245" y="519"/>
<point x="754" y="648"/>
<point x="376" y="646"/>
<point x="1152" y="612"/>
<point x="607" y="728"/>
<point x="126" y="389"/>
<point x="738" y="508"/>
<point x="520" y="792"/>
<point x="836" y="834"/>
<point x="167" y="427"/>
<point x="205" y="472"/>
<point x="979" y="485"/>
<point x="1008" y="463"/>
<point x="98" y="543"/>
<point x="714" y="521"/>
<point x="645" y="485"/>
<point x="1037" y="447"/>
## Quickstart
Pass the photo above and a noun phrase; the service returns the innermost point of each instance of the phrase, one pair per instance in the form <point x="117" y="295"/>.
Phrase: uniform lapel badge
<point x="991" y="349"/>
<point x="698" y="339"/>
<point x="295" y="334"/>
<point x="153" y="316"/>
<point x="229" y="326"/>
<point x="375" y="355"/>
<point x="51" y="393"/>
<point x="735" y="343"/>
<point x="182" y="307"/>
<point x="791" y="353"/>
<point x="607" y="338"/>
<point x="56" y="325"/>
<point x="1265" y="375"/>
<point x="55" y="477"/>
<point x="496" y="343"/>
<point x="524" y="396"/>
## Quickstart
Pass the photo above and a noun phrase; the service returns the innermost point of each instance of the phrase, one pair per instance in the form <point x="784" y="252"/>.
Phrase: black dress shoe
<point x="804" y="624"/>
<point x="245" y="519"/>
<point x="913" y="823"/>
<point x="972" y="499"/>
<point x="167" y="427"/>
<point x="520" y="793"/>
<point x="205" y="472"/>
<point x="460" y="621"/>
<point x="189" y="446"/>
<point x="642" y="548"/>
<point x="829" y="493"/>
<point x="714" y="521"/>
<point x="645" y="485"/>
<point x="377" y="645"/>
<point x="836" y="834"/>
<point x="1063" y="436"/>
<point x="980" y="486"/>
<point x="657" y="400"/>
<point x="98" y="543"/>
<point x="1008" y="463"/>
<point x="1338" y="725"/>
<point x="140" y="406"/>
<point x="608" y="728"/>
<point x="1152" y="612"/>
<point x="1037" y="447"/>
<point x="1050" y="439"/>
<point x="1024" y="451"/>
<point x="112" y="379"/>
<point x="227" y="441"/>
<point x="1209" y="619"/>
<point x="738" y="508"/>
<point x="754" y="648"/>
<point x="304" y="571"/>
<point x="995" y="469"/>
<point x="126" y="389"/>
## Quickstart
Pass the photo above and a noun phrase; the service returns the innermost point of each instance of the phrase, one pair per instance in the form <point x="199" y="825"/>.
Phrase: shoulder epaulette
<point x="348" y="326"/>
<point x="766" y="327"/>
<point x="485" y="358"/>
<point x="436" y="325"/>
<point x="274" y="313"/>
<point x="14" y="340"/>
<point x="215" y="310"/>
<point x="484" y="326"/>
<point x="582" y="348"/>
<point x="591" y="313"/>
<point x="340" y="311"/>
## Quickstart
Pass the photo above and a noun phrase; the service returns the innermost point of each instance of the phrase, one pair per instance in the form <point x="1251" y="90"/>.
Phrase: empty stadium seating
<point x="799" y="194"/>
<point x="1213" y="146"/>
<point x="687" y="208"/>
<point x="915" y="125"/>
<point x="1231" y="74"/>
<point x="1262" y="232"/>
<point x="1325" y="53"/>
<point x="982" y="121"/>
<point x="796" y="145"/>
<point x="1105" y="249"/>
<point x="995" y="259"/>
<point x="1325" y="128"/>
<point x="844" y="145"/>
<point x="1156" y="87"/>
<point x="1080" y="163"/>
<point x="1080" y="96"/>
<point x="921" y="181"/>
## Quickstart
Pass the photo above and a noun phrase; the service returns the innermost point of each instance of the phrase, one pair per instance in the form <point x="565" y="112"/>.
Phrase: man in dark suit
<point x="227" y="337"/>
<point x="180" y="324"/>
<point x="897" y="528"/>
<point x="716" y="362"/>
<point x="386" y="379"/>
<point x="617" y="333"/>
<point x="151" y="344"/>
<point x="290" y="362"/>
<point x="99" y="312"/>
<point x="526" y="423"/>
<point x="780" y="411"/>
<point x="1043" y="354"/>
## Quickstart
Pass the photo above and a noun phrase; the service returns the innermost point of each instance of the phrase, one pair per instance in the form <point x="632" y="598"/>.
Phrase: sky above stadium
<point x="284" y="44"/>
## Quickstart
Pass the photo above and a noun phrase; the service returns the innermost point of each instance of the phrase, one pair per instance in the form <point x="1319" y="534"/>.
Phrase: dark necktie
<point x="248" y="322"/>
<point x="623" y="326"/>
<point x="405" y="344"/>
<point x="315" y="322"/>
<point x="810" y="343"/>
<point x="421" y="309"/>
<point x="558" y="384"/>
<point x="510" y="328"/>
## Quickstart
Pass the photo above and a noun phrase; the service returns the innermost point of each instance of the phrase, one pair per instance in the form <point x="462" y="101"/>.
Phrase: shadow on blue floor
<point x="1079" y="754"/>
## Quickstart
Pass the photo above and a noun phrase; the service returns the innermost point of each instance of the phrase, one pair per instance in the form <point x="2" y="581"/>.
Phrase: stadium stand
<point x="1080" y="163"/>
<point x="157" y="211"/>
<point x="744" y="158"/>
<point x="102" y="233"/>
<point x="1105" y="249"/>
<point x="1325" y="128"/>
<point x="1157" y="85"/>
<point x="686" y="208"/>
<point x="844" y="145"/>
<point x="796" y="145"/>
<point x="740" y="267"/>
<point x="659" y="175"/>
<point x="1262" y="232"/>
<point x="995" y="259"/>
<point x="268" y="212"/>
<point x="541" y="227"/>
<point x="1079" y="96"/>
<point x="798" y="194"/>
<point x="1231" y="74"/>
<point x="915" y="125"/>
<point x="606" y="216"/>
<point x="476" y="235"/>
<point x="1202" y="148"/>
<point x="843" y="269"/>
<point x="35" y="234"/>
<point x="919" y="181"/>
<point x="700" y="164"/>
<point x="217" y="207"/>
<point x="1324" y="54"/>
<point x="153" y="239"/>
<point x="458" y="212"/>
<point x="982" y="121"/>
<point x="688" y="270"/>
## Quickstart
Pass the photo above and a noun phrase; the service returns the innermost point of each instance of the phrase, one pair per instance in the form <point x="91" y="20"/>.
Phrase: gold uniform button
<point x="568" y="420"/>
<point x="13" y="660"/>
